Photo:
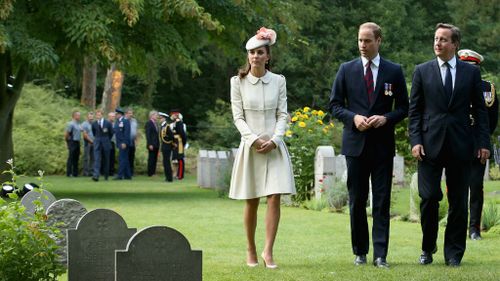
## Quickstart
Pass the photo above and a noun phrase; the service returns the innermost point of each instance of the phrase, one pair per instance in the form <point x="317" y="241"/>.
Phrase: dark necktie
<point x="448" y="83"/>
<point x="369" y="82"/>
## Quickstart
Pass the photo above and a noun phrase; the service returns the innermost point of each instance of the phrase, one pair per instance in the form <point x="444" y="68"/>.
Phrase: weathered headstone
<point x="42" y="195"/>
<point x="222" y="168"/>
<point x="92" y="245"/>
<point x="234" y="152"/>
<point x="414" y="198"/>
<point x="212" y="168"/>
<point x="64" y="214"/>
<point x="324" y="167"/>
<point x="399" y="170"/>
<point x="202" y="172"/>
<point x="340" y="166"/>
<point x="158" y="253"/>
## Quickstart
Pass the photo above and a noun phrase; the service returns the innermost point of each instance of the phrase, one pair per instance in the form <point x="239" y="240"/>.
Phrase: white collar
<point x="265" y="79"/>
<point x="452" y="62"/>
<point x="375" y="60"/>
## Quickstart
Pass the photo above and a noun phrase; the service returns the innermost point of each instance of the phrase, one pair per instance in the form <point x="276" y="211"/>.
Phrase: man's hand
<point x="418" y="151"/>
<point x="150" y="147"/>
<point x="483" y="154"/>
<point x="361" y="123"/>
<point x="123" y="146"/>
<point x="376" y="121"/>
<point x="266" y="147"/>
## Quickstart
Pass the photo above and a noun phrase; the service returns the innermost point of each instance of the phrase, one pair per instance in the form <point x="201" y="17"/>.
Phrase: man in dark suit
<point x="122" y="135"/>
<point x="369" y="96"/>
<point x="152" y="142"/>
<point x="476" y="198"/>
<point x="103" y="132"/>
<point x="445" y="93"/>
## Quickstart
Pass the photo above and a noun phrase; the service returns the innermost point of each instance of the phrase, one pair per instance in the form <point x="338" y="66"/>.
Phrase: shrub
<point x="307" y="131"/>
<point x="217" y="131"/>
<point x="491" y="215"/>
<point x="337" y="196"/>
<point x="316" y="204"/>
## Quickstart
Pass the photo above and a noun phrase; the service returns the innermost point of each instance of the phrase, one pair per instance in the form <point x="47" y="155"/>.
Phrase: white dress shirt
<point x="374" y="67"/>
<point x="453" y="70"/>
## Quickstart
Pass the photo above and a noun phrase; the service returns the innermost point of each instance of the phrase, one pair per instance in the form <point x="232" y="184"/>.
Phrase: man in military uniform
<point x="476" y="198"/>
<point x="88" y="145"/>
<point x="167" y="144"/>
<point x="72" y="135"/>
<point x="122" y="135"/>
<point x="180" y="139"/>
<point x="102" y="130"/>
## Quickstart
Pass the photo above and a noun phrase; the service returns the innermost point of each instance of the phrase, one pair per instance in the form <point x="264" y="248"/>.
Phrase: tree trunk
<point x="9" y="95"/>
<point x="112" y="89"/>
<point x="89" y="82"/>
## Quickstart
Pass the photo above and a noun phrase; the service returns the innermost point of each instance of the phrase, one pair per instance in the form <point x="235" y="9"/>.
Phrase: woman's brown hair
<point x="245" y="69"/>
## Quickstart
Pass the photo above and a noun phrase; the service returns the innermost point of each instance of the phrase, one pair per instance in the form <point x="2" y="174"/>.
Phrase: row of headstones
<point x="330" y="168"/>
<point x="98" y="245"/>
<point x="213" y="166"/>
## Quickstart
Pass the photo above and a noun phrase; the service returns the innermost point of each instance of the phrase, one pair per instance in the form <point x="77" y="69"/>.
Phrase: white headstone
<point x="222" y="168"/>
<point x="340" y="166"/>
<point x="201" y="168"/>
<point x="414" y="199"/>
<point x="487" y="171"/>
<point x="324" y="167"/>
<point x="43" y="196"/>
<point x="212" y="169"/>
<point x="399" y="170"/>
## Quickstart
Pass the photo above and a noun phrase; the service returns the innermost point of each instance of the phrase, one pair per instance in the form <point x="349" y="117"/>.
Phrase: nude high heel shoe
<point x="270" y="266"/>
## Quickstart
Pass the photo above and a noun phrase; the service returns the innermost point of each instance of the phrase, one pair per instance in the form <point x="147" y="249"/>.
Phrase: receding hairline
<point x="375" y="28"/>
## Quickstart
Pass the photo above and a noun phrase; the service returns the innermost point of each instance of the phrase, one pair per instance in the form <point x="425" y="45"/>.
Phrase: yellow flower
<point x="307" y="109"/>
<point x="294" y="118"/>
<point x="305" y="116"/>
<point x="325" y="130"/>
<point x="332" y="125"/>
<point x="302" y="124"/>
<point x="288" y="133"/>
<point x="320" y="122"/>
<point x="321" y="113"/>
<point x="314" y="112"/>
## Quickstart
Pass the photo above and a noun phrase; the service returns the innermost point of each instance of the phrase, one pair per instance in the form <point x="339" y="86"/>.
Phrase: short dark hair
<point x="455" y="31"/>
<point x="377" y="31"/>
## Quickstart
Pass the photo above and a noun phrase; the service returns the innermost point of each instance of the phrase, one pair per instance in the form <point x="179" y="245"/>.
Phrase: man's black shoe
<point x="95" y="179"/>
<point x="452" y="263"/>
<point x="381" y="263"/>
<point x="426" y="258"/>
<point x="360" y="260"/>
<point x="475" y="236"/>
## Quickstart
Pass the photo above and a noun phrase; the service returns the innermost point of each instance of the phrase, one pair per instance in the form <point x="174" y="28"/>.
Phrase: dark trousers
<point x="123" y="163"/>
<point x="101" y="160"/>
<point x="167" y="165"/>
<point x="359" y="171"/>
<point x="112" y="159"/>
<point x="131" y="158"/>
<point x="88" y="158"/>
<point x="429" y="189"/>
<point x="152" y="159"/>
<point x="180" y="166"/>
<point x="476" y="199"/>
<point x="73" y="157"/>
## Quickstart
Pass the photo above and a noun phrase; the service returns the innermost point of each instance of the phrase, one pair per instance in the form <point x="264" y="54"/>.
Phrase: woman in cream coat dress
<point x="262" y="166"/>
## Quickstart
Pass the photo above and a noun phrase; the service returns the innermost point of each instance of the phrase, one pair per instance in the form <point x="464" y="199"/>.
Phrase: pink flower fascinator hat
<point x="264" y="36"/>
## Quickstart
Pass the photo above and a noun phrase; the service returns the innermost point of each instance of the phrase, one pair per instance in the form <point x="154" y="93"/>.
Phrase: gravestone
<point x="92" y="245"/>
<point x="202" y="172"/>
<point x="340" y="166"/>
<point x="399" y="170"/>
<point x="234" y="152"/>
<point x="324" y="167"/>
<point x="414" y="199"/>
<point x="212" y="168"/>
<point x="158" y="253"/>
<point x="222" y="168"/>
<point x="42" y="195"/>
<point x="486" y="176"/>
<point x="64" y="214"/>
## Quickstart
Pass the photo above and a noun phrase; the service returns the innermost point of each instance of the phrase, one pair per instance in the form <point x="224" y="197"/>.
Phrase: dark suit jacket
<point x="122" y="131"/>
<point x="102" y="136"/>
<point x="152" y="136"/>
<point x="437" y="122"/>
<point x="349" y="97"/>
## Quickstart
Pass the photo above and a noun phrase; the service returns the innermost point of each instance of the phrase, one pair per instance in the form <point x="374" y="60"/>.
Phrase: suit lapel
<point x="436" y="74"/>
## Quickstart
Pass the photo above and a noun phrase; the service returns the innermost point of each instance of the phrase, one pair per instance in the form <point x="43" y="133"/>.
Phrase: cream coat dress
<point x="260" y="110"/>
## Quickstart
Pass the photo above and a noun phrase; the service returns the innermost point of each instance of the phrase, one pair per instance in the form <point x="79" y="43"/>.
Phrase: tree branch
<point x="22" y="73"/>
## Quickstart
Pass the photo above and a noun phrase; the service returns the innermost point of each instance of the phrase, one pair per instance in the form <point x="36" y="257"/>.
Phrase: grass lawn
<point x="311" y="246"/>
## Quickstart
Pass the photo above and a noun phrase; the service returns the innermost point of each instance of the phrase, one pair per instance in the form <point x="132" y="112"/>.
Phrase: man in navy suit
<point x="103" y="132"/>
<point x="152" y="142"/>
<point x="369" y="96"/>
<point x="122" y="134"/>
<point x="445" y="93"/>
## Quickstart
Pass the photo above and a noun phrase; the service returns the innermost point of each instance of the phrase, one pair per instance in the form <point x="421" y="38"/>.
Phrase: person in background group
<point x="88" y="145"/>
<point x="443" y="92"/>
<point x="72" y="135"/>
<point x="152" y="142"/>
<point x="180" y="139"/>
<point x="102" y="130"/>
<point x="129" y="114"/>
<point x="369" y="96"/>
<point x="167" y="144"/>
<point x="122" y="135"/>
<point x="262" y="166"/>
<point x="477" y="169"/>
<point x="112" y="152"/>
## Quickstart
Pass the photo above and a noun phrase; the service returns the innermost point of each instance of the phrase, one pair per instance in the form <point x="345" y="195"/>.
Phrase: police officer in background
<point x="476" y="198"/>
<point x="133" y="138"/>
<point x="88" y="145"/>
<point x="167" y="145"/>
<point x="72" y="135"/>
<point x="102" y="130"/>
<point x="122" y="135"/>
<point x="180" y="140"/>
